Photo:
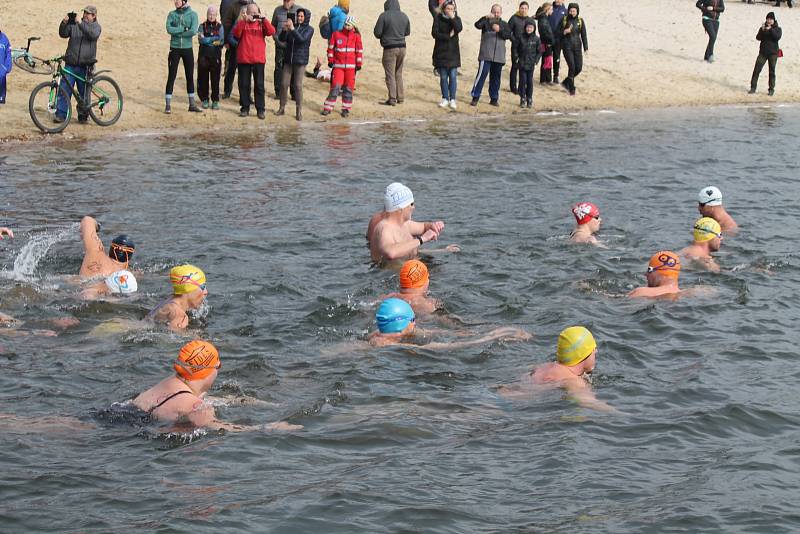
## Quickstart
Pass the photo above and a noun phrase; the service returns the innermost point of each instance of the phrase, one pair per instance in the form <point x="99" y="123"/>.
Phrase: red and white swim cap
<point x="585" y="212"/>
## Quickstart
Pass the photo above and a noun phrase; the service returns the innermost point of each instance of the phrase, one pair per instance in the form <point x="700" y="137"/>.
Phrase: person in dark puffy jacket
<point x="295" y="59"/>
<point x="280" y="15"/>
<point x="80" y="56"/>
<point x="573" y="43"/>
<point x="447" y="52"/>
<point x="769" y="34"/>
<point x="546" y="46"/>
<point x="517" y="25"/>
<point x="528" y="56"/>
<point x="392" y="28"/>
<point x="555" y="18"/>
<point x="711" y="10"/>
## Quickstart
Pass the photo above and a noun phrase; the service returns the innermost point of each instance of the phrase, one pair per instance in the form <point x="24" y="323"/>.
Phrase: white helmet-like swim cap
<point x="397" y="197"/>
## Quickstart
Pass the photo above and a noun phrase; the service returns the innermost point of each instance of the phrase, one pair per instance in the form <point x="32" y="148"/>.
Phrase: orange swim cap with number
<point x="196" y="360"/>
<point x="413" y="275"/>
<point x="666" y="263"/>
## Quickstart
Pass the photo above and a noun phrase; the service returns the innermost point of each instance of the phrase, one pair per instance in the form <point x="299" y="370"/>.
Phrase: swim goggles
<point x="706" y="230"/>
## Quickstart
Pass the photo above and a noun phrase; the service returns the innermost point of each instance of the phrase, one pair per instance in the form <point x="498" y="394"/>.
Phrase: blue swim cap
<point x="393" y="316"/>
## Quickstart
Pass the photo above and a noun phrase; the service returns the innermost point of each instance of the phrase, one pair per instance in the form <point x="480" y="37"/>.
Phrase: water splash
<point x="34" y="250"/>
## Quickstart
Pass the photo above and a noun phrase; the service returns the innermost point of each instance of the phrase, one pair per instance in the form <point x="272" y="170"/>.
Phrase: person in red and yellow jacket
<point x="251" y="30"/>
<point x="345" y="56"/>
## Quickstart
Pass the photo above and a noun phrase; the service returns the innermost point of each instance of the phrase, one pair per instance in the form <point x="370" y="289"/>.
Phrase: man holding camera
<point x="287" y="10"/>
<point x="251" y="57"/>
<point x="492" y="56"/>
<point x="79" y="58"/>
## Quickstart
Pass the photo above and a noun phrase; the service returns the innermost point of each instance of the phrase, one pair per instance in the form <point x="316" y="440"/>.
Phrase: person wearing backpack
<point x="573" y="44"/>
<point x="769" y="34"/>
<point x="711" y="10"/>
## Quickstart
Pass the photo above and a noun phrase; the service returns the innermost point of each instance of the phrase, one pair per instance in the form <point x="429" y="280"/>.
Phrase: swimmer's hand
<point x="510" y="333"/>
<point x="6" y="231"/>
<point x="436" y="226"/>
<point x="429" y="235"/>
<point x="452" y="248"/>
<point x="282" y="426"/>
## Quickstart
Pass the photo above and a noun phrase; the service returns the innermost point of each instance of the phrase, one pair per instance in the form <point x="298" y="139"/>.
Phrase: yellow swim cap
<point x="575" y="344"/>
<point x="706" y="229"/>
<point x="186" y="279"/>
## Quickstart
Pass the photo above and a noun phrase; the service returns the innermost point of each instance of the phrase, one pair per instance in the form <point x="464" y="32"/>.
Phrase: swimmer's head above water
<point x="197" y="360"/>
<point x="708" y="230"/>
<point x="187" y="279"/>
<point x="663" y="264"/>
<point x="121" y="249"/>
<point x="576" y="349"/>
<point x="122" y="283"/>
<point x="397" y="197"/>
<point x="587" y="213"/>
<point x="395" y="316"/>
<point x="414" y="275"/>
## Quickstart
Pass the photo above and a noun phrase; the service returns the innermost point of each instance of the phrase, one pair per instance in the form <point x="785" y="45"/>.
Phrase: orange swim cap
<point x="413" y="275"/>
<point x="665" y="262"/>
<point x="196" y="360"/>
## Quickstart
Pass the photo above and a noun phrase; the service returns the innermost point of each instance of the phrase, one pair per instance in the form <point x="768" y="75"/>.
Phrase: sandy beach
<point x="641" y="54"/>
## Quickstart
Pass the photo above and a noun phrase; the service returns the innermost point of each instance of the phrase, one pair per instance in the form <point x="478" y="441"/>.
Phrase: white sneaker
<point x="443" y="103"/>
<point x="453" y="104"/>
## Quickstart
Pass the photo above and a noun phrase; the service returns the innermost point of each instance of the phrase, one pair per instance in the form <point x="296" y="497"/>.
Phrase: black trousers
<point x="256" y="72"/>
<point x="556" y="60"/>
<point x="712" y="29"/>
<point x="574" y="59"/>
<point x="230" y="69"/>
<point x="176" y="55"/>
<point x="514" y="70"/>
<point x="526" y="85"/>
<point x="208" y="71"/>
<point x="760" y="60"/>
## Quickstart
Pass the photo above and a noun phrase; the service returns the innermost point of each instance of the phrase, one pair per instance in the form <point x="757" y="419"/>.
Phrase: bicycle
<point x="23" y="59"/>
<point x="103" y="101"/>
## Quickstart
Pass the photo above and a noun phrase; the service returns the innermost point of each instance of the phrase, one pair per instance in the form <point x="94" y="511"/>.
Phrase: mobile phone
<point x="292" y="17"/>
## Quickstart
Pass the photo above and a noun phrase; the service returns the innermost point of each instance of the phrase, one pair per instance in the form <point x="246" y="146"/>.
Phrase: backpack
<point x="325" y="27"/>
<point x="564" y="23"/>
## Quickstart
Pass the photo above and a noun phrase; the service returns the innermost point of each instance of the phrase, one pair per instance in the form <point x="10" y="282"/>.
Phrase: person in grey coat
<point x="392" y="29"/>
<point x="80" y="57"/>
<point x="492" y="56"/>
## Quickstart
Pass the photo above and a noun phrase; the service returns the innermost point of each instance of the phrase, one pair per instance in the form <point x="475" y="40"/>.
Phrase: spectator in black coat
<point x="547" y="40"/>
<point x="517" y="25"/>
<point x="528" y="55"/>
<point x="297" y="43"/>
<point x="446" y="52"/>
<point x="769" y="34"/>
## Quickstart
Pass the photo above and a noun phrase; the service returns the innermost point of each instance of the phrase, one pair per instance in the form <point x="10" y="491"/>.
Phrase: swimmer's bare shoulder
<point x="172" y="315"/>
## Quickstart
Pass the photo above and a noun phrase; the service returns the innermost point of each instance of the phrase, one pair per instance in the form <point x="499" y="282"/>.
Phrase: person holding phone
<point x="280" y="16"/>
<point x="769" y="34"/>
<point x="80" y="56"/>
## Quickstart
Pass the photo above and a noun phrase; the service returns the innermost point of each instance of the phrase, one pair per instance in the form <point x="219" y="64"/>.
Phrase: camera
<point x="258" y="17"/>
<point x="72" y="16"/>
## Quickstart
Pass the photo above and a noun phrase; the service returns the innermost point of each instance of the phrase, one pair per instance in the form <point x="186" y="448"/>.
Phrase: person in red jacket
<point x="345" y="55"/>
<point x="251" y="30"/>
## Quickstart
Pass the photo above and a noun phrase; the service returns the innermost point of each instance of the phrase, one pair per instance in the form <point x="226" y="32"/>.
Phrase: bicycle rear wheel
<point x="42" y="107"/>
<point x="33" y="64"/>
<point x="105" y="101"/>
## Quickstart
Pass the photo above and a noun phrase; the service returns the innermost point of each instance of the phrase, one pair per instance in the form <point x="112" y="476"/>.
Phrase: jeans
<point x="760" y="60"/>
<point x="712" y="29"/>
<point x="526" y="84"/>
<point x="495" y="72"/>
<point x="67" y="81"/>
<point x="448" y="82"/>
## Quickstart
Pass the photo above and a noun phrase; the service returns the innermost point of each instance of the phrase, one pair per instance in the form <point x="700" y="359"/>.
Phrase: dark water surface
<point x="399" y="440"/>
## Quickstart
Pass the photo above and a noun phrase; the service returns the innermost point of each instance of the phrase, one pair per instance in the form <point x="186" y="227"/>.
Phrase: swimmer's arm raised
<point x="91" y="242"/>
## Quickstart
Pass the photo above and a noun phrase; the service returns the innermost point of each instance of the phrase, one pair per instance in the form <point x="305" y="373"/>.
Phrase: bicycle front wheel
<point x="33" y="64"/>
<point x="105" y="101"/>
<point x="43" y="106"/>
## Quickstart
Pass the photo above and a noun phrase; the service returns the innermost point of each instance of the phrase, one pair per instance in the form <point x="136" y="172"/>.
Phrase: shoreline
<point x="264" y="127"/>
<point x="656" y="64"/>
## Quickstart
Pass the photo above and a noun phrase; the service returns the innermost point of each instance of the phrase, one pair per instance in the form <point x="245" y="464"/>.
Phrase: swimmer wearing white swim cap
<point x="391" y="233"/>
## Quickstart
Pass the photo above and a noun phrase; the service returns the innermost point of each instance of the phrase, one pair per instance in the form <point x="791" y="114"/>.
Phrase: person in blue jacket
<point x="5" y="66"/>
<point x="295" y="58"/>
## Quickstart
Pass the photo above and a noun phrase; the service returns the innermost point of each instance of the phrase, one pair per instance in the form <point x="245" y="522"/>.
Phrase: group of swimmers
<point x="392" y="237"/>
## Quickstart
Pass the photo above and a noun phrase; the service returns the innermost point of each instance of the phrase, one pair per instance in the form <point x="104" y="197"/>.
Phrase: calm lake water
<point x="399" y="440"/>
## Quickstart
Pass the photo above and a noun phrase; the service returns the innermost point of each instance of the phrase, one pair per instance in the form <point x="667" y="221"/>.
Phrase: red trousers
<point x="342" y="81"/>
